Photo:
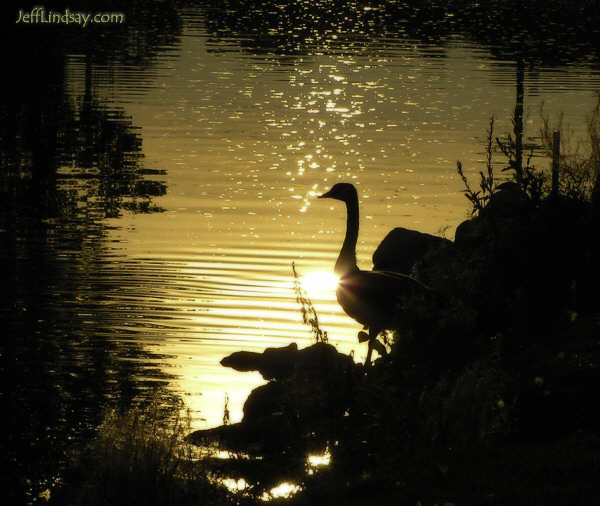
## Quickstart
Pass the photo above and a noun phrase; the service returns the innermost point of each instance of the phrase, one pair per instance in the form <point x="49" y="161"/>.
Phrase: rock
<point x="308" y="389"/>
<point x="272" y="436"/>
<point x="505" y="207"/>
<point x="469" y="234"/>
<point x="273" y="363"/>
<point x="508" y="201"/>
<point x="243" y="361"/>
<point x="264" y="401"/>
<point x="278" y="363"/>
<point x="402" y="248"/>
<point x="281" y="363"/>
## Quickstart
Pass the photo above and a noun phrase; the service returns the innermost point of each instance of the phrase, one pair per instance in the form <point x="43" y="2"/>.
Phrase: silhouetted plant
<point x="309" y="313"/>
<point x="226" y="414"/>
<point x="480" y="198"/>
<point x="580" y="163"/>
<point x="530" y="180"/>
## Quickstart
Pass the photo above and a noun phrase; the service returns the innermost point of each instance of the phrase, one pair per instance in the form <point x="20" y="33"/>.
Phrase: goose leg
<point x="373" y="333"/>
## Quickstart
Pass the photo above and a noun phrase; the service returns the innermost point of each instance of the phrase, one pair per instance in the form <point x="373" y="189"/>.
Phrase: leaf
<point x="362" y="337"/>
<point x="379" y="348"/>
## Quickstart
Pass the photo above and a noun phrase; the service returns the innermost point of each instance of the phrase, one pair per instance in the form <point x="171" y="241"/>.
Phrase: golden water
<point x="247" y="141"/>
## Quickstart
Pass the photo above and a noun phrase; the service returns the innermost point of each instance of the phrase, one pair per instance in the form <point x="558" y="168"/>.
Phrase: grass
<point x="140" y="457"/>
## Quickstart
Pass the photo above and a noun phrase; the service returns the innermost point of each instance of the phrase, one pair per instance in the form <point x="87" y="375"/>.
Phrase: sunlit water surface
<point x="248" y="141"/>
<point x="244" y="142"/>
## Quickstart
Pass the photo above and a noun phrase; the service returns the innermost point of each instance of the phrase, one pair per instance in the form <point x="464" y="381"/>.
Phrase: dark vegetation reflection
<point x="539" y="31"/>
<point x="68" y="161"/>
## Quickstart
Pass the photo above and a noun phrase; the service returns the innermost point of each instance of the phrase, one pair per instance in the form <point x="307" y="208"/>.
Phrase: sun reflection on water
<point x="323" y="459"/>
<point x="320" y="284"/>
<point x="283" y="490"/>
<point x="235" y="485"/>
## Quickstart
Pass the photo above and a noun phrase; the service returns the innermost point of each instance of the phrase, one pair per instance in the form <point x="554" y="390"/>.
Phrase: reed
<point x="308" y="311"/>
<point x="141" y="457"/>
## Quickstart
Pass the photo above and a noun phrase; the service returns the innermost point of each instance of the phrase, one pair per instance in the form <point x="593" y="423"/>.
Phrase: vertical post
<point x="555" y="162"/>
<point x="518" y="119"/>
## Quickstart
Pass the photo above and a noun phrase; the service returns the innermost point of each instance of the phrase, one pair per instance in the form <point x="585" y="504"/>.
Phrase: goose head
<point x="341" y="191"/>
<point x="346" y="262"/>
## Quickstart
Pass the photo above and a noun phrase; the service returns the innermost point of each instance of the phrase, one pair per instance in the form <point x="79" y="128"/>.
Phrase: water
<point x="156" y="193"/>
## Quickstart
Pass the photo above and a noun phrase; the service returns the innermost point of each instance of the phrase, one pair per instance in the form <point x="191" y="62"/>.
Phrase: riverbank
<point x="487" y="397"/>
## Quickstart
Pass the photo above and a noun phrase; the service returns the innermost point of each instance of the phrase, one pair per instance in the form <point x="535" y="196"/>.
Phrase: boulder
<point x="273" y="363"/>
<point x="508" y="201"/>
<point x="498" y="218"/>
<point x="308" y="390"/>
<point x="402" y="248"/>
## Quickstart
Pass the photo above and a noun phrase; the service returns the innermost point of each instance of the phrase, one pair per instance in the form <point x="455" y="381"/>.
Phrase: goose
<point x="372" y="298"/>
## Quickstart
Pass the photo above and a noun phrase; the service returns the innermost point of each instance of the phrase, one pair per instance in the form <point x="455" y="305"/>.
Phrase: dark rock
<point x="308" y="391"/>
<point x="508" y="201"/>
<point x="272" y="436"/>
<point x="264" y="401"/>
<point x="282" y="363"/>
<point x="469" y="233"/>
<point x="498" y="218"/>
<point x="273" y="363"/>
<point x="402" y="248"/>
<point x="243" y="361"/>
<point x="322" y="360"/>
<point x="278" y="363"/>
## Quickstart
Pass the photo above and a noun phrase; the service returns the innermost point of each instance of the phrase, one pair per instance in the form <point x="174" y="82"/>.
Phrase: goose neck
<point x="346" y="261"/>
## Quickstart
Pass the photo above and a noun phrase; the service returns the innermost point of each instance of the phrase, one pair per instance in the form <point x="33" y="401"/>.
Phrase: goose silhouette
<point x="375" y="298"/>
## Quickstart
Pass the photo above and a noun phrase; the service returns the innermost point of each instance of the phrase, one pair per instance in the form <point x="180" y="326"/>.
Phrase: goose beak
<point x="326" y="195"/>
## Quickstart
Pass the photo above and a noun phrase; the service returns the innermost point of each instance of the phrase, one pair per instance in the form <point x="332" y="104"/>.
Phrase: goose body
<point x="372" y="298"/>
